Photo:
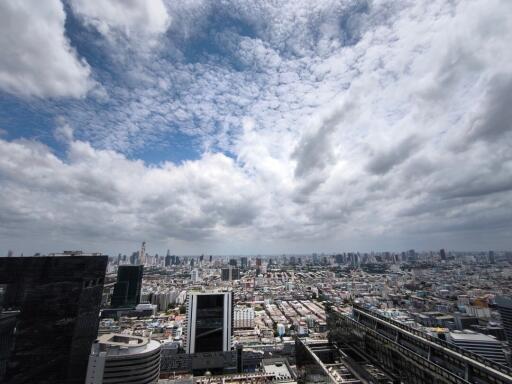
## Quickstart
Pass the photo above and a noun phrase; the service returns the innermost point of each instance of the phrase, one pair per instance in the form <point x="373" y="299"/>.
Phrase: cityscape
<point x="255" y="192"/>
<point x="381" y="317"/>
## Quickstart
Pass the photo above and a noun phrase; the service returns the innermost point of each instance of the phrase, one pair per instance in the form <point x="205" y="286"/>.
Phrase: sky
<point x="255" y="127"/>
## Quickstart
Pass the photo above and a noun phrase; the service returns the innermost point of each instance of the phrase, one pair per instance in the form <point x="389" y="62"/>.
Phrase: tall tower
<point x="56" y="301"/>
<point x="209" y="322"/>
<point x="128" y="286"/>
<point x="142" y="253"/>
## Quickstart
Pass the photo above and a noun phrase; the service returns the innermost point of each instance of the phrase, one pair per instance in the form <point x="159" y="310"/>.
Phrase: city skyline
<point x="239" y="128"/>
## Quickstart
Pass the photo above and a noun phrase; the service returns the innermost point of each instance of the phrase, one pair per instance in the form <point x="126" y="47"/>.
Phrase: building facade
<point x="504" y="305"/>
<point x="243" y="318"/>
<point x="128" y="286"/>
<point x="58" y="301"/>
<point x="209" y="322"/>
<point x="230" y="273"/>
<point x="121" y="359"/>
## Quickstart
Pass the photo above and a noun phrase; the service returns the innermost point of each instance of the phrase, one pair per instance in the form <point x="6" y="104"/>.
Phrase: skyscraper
<point x="230" y="274"/>
<point x="55" y="302"/>
<point x="127" y="288"/>
<point x="442" y="253"/>
<point x="504" y="305"/>
<point x="209" y="322"/>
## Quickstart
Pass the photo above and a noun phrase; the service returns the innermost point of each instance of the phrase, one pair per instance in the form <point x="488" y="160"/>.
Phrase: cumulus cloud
<point x="383" y="161"/>
<point x="102" y="194"/>
<point x="342" y="125"/>
<point x="131" y="19"/>
<point x="37" y="58"/>
<point x="495" y="120"/>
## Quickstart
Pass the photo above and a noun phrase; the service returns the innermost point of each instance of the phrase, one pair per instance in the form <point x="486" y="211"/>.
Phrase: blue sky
<point x="255" y="127"/>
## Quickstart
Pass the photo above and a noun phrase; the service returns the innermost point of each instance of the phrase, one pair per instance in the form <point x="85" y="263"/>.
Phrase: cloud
<point x="131" y="19"/>
<point x="495" y="121"/>
<point x="383" y="161"/>
<point x="102" y="195"/>
<point x="63" y="132"/>
<point x="297" y="126"/>
<point x="37" y="58"/>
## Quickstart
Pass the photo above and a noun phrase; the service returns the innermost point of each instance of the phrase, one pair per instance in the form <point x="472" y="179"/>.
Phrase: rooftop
<point x="115" y="344"/>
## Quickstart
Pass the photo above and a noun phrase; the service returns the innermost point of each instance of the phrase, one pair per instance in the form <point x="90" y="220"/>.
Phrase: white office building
<point x="121" y="359"/>
<point x="243" y="317"/>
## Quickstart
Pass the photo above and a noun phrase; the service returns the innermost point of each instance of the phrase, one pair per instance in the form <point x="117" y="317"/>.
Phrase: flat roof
<point x="472" y="337"/>
<point x="277" y="368"/>
<point x="118" y="344"/>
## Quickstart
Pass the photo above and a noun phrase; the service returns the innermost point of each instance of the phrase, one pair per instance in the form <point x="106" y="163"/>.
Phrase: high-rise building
<point x="134" y="258"/>
<point x="168" y="260"/>
<point x="209" y="322"/>
<point x="7" y="328"/>
<point x="442" y="253"/>
<point x="233" y="262"/>
<point x="55" y="302"/>
<point x="127" y="288"/>
<point x="123" y="359"/>
<point x="491" y="257"/>
<point x="194" y="275"/>
<point x="504" y="305"/>
<point x="243" y="262"/>
<point x="230" y="274"/>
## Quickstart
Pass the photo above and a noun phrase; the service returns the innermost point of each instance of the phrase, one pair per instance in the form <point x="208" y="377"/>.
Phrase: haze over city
<point x="241" y="127"/>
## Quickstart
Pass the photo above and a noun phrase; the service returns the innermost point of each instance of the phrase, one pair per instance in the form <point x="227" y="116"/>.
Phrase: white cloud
<point x="101" y="195"/>
<point x="37" y="58"/>
<point x="132" y="18"/>
<point x="385" y="126"/>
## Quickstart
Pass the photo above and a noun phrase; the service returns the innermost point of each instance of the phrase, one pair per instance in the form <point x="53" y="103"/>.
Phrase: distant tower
<point x="442" y="253"/>
<point x="128" y="286"/>
<point x="142" y="253"/>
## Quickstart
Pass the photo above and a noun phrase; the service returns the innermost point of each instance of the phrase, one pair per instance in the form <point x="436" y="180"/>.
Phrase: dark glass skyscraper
<point x="55" y="302"/>
<point x="127" y="288"/>
<point x="209" y="322"/>
<point x="504" y="305"/>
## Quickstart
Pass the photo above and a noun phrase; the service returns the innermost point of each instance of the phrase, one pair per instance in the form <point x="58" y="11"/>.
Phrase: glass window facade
<point x="209" y="323"/>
